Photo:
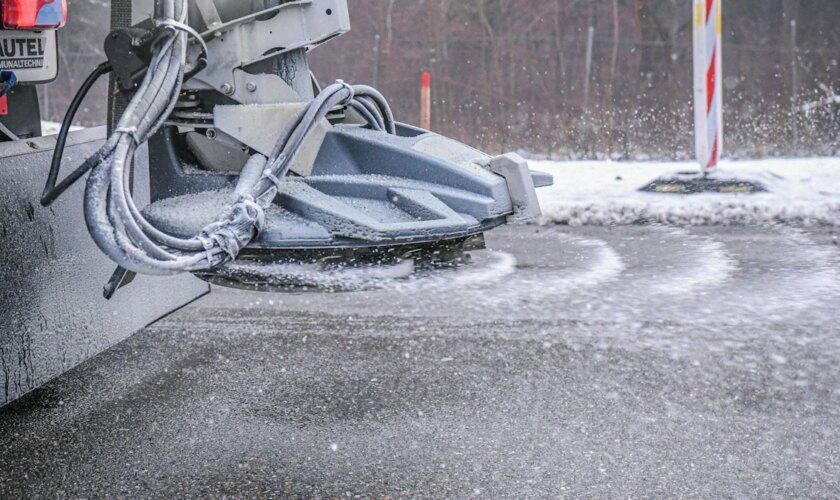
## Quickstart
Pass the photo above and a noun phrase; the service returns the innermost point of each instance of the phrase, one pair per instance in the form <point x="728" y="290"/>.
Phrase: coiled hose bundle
<point x="113" y="219"/>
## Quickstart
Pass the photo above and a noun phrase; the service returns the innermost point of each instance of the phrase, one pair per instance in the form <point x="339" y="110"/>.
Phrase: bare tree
<point x="510" y="73"/>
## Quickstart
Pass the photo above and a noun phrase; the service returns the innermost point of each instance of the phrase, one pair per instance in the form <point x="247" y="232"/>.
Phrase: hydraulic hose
<point x="51" y="191"/>
<point x="115" y="222"/>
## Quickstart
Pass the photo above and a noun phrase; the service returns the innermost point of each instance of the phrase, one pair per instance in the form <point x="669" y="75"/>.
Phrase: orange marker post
<point x="426" y="101"/>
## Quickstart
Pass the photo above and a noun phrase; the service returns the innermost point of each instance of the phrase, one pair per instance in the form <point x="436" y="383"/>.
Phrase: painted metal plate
<point x="32" y="55"/>
<point x="53" y="315"/>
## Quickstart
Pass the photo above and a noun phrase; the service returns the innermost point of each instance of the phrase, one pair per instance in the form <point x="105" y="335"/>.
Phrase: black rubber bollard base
<point x="695" y="183"/>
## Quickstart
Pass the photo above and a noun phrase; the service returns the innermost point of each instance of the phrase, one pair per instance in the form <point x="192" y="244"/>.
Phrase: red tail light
<point x="34" y="14"/>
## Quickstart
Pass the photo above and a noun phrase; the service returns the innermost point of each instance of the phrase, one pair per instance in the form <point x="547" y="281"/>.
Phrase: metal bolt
<point x="251" y="86"/>
<point x="227" y="89"/>
<point x="211" y="133"/>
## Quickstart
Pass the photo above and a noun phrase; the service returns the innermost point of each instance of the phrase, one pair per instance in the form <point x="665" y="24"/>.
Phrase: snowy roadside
<point x="803" y="192"/>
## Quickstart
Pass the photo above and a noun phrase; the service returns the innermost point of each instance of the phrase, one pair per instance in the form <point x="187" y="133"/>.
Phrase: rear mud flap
<point x="52" y="309"/>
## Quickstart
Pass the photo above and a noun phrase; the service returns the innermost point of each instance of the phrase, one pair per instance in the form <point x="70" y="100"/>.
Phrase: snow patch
<point x="487" y="269"/>
<point x="606" y="266"/>
<point x="802" y="192"/>
<point x="53" y="128"/>
<point x="602" y="265"/>
<point x="708" y="265"/>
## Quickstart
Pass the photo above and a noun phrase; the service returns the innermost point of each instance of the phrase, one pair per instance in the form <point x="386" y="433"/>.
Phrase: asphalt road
<point x="590" y="362"/>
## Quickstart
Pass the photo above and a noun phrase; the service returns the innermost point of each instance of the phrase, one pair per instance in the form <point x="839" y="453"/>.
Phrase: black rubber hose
<point x="51" y="191"/>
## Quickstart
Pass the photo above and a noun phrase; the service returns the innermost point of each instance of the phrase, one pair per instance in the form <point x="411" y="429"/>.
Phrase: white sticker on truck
<point x="32" y="55"/>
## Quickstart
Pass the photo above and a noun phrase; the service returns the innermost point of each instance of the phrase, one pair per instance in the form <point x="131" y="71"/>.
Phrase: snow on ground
<point x="53" y="128"/>
<point x="802" y="192"/>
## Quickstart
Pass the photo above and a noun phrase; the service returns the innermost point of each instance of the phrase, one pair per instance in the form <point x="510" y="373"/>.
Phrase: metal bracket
<point x="301" y="24"/>
<point x="238" y="122"/>
<point x="523" y="194"/>
<point x="209" y="13"/>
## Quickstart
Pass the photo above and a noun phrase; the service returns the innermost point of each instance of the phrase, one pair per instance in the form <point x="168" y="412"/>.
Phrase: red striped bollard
<point x="708" y="83"/>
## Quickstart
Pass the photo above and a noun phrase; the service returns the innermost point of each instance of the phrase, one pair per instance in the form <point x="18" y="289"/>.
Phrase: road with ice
<point x="636" y="361"/>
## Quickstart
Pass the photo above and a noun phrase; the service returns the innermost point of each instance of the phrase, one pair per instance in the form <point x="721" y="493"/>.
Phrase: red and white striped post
<point x="708" y="82"/>
<point x="426" y="101"/>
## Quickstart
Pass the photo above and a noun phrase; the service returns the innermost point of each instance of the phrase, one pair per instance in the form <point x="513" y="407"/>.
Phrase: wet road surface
<point x="564" y="362"/>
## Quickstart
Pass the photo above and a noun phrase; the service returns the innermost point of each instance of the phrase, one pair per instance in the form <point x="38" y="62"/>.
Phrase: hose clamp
<point x="349" y="88"/>
<point x="189" y="30"/>
<point x="132" y="131"/>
